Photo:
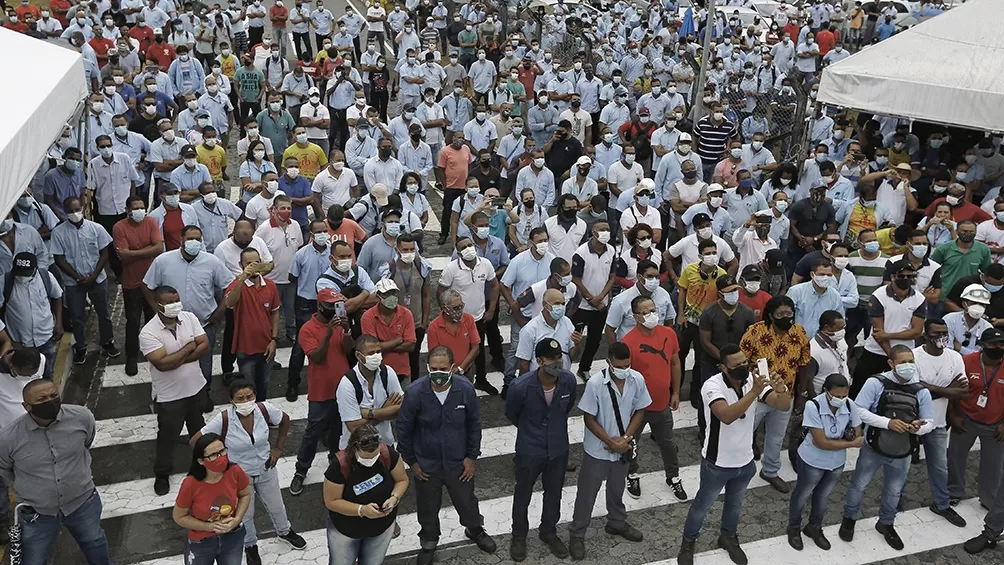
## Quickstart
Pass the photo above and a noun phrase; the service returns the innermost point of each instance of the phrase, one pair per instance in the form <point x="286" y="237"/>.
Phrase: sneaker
<point x="484" y="385"/>
<point x="296" y="485"/>
<point x="426" y="556"/>
<point x="161" y="486"/>
<point x="846" y="531"/>
<point x="577" y="548"/>
<point x="294" y="539"/>
<point x="951" y="515"/>
<point x="779" y="484"/>
<point x="504" y="392"/>
<point x="481" y="538"/>
<point x="731" y="546"/>
<point x="815" y="533"/>
<point x="627" y="531"/>
<point x="582" y="374"/>
<point x="79" y="356"/>
<point x="677" y="485"/>
<point x="634" y="486"/>
<point x="291" y="394"/>
<point x="517" y="548"/>
<point x="890" y="535"/>
<point x="441" y="240"/>
<point x="251" y="553"/>
<point x="978" y="544"/>
<point x="795" y="538"/>
<point x="954" y="501"/>
<point x="554" y="543"/>
<point x="686" y="555"/>
<point x="131" y="367"/>
<point x="110" y="349"/>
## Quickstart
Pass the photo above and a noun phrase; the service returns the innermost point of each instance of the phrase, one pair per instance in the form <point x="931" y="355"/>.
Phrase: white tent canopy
<point x="43" y="84"/>
<point x="948" y="70"/>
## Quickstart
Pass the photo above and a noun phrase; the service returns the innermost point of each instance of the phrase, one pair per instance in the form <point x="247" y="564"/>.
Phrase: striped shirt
<point x="713" y="139"/>
<point x="868" y="272"/>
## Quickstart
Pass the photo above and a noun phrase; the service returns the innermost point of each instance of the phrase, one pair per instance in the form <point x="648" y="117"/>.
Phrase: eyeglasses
<point x="215" y="456"/>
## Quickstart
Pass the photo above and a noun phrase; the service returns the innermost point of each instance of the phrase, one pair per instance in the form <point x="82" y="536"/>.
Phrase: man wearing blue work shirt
<point x="308" y="264"/>
<point x="59" y="183"/>
<point x="221" y="111"/>
<point x="525" y="269"/>
<point x="132" y="144"/>
<point x="165" y="152"/>
<point x="191" y="174"/>
<point x="34" y="309"/>
<point x="349" y="280"/>
<point x="298" y="189"/>
<point x="213" y="214"/>
<point x="538" y="404"/>
<point x="199" y="278"/>
<point x="814" y="297"/>
<point x="378" y="251"/>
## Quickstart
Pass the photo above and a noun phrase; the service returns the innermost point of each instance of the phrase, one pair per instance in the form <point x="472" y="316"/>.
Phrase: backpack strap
<point x="264" y="412"/>
<point x="351" y="375"/>
<point x="8" y="288"/>
<point x="385" y="455"/>
<point x="343" y="463"/>
<point x="383" y="377"/>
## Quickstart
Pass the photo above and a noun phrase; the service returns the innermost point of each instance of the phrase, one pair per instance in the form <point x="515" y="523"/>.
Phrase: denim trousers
<point x="713" y="480"/>
<point x="265" y="487"/>
<point x="84" y="524"/>
<point x="817" y="484"/>
<point x="429" y="501"/>
<point x="894" y="472"/>
<point x="991" y="460"/>
<point x="661" y="424"/>
<point x="206" y="361"/>
<point x="287" y="298"/>
<point x="137" y="313"/>
<point x="304" y="310"/>
<point x="592" y="473"/>
<point x="49" y="350"/>
<point x="76" y="298"/>
<point x="775" y="428"/>
<point x="511" y="363"/>
<point x="552" y="477"/>
<point x="936" y="455"/>
<point x="227" y="549"/>
<point x="322" y="416"/>
<point x="257" y="369"/>
<point x="343" y="550"/>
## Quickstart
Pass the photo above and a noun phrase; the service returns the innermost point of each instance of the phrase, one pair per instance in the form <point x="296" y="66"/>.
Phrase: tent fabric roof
<point x="43" y="84"/>
<point x="947" y="70"/>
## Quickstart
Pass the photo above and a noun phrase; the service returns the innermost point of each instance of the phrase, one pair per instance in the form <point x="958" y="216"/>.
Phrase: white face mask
<point x="367" y="461"/>
<point x="468" y="253"/>
<point x="704" y="233"/>
<point x="715" y="201"/>
<point x="710" y="260"/>
<point x="603" y="236"/>
<point x="542" y="248"/>
<point x="172" y="310"/>
<point x="650" y="320"/>
<point x="408" y="257"/>
<point x="752" y="287"/>
<point x="373" y="362"/>
<point x="976" y="311"/>
<point x="244" y="408"/>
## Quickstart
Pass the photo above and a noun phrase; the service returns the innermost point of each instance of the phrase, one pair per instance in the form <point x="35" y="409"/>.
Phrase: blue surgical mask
<point x="990" y="287"/>
<point x="393" y="228"/>
<point x="6" y="226"/>
<point x="871" y="246"/>
<point x="72" y="164"/>
<point x="1000" y="216"/>
<point x="731" y="298"/>
<point x="906" y="371"/>
<point x="919" y="251"/>
<point x="557" y="311"/>
<point x="193" y="247"/>
<point x="644" y="200"/>
<point x="620" y="374"/>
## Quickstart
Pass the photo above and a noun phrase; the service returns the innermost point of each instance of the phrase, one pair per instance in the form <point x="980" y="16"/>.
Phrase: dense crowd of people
<point x="231" y="181"/>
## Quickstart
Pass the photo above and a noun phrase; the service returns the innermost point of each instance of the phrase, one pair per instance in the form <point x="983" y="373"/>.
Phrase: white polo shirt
<point x="257" y="209"/>
<point x="186" y="380"/>
<point x="728" y="445"/>
<point x="470" y="283"/>
<point x="828" y="360"/>
<point x="331" y="190"/>
<point x="687" y="250"/>
<point x="633" y="216"/>
<point x="898" y="316"/>
<point x="939" y="370"/>
<point x="282" y="244"/>
<point x="537" y="329"/>
<point x="228" y="252"/>
<point x="594" y="270"/>
<point x="536" y="291"/>
<point x="564" y="243"/>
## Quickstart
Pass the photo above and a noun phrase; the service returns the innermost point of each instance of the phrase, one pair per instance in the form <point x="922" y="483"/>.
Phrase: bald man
<point x="550" y="323"/>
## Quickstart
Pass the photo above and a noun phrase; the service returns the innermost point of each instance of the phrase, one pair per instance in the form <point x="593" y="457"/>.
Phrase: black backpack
<point x="899" y="402"/>
<point x="351" y="375"/>
<point x="349" y="288"/>
<point x="8" y="287"/>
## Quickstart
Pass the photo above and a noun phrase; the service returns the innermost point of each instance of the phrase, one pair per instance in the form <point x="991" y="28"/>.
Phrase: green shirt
<point x="276" y="130"/>
<point x="868" y="273"/>
<point x="516" y="88"/>
<point x="467" y="37"/>
<point x="955" y="264"/>
<point x="249" y="84"/>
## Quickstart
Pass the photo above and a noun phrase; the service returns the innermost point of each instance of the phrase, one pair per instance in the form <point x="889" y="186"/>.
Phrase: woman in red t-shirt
<point x="211" y="504"/>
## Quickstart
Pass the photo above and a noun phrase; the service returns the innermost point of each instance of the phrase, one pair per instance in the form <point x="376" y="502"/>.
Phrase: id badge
<point x="982" y="401"/>
<point x="406" y="300"/>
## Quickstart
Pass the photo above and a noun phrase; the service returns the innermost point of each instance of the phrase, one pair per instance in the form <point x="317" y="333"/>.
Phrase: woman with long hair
<point x="362" y="489"/>
<point x="640" y="248"/>
<point x="781" y="180"/>
<point x="412" y="200"/>
<point x="211" y="505"/>
<point x="252" y="169"/>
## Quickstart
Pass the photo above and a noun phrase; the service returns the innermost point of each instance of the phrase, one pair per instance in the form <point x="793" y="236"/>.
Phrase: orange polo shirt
<point x="401" y="325"/>
<point x="460" y="343"/>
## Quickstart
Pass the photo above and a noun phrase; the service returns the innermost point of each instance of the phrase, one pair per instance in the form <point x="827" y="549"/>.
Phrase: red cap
<point x="329" y="296"/>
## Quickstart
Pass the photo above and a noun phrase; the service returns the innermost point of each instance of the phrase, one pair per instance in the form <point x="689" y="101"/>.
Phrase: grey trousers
<point x="661" y="424"/>
<point x="592" y="473"/>
<point x="991" y="460"/>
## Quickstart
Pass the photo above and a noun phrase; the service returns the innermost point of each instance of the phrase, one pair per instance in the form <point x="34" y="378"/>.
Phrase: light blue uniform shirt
<point x="721" y="221"/>
<point x="213" y="221"/>
<point x="464" y="207"/>
<point x="809" y="305"/>
<point x="134" y="145"/>
<point x="185" y="179"/>
<point x="29" y="317"/>
<point x="197" y="282"/>
<point x="495" y="251"/>
<point x="26" y="238"/>
<point x="308" y="264"/>
<point x="375" y="253"/>
<point x="255" y="172"/>
<point x="364" y="281"/>
<point x="525" y="270"/>
<point x="219" y="107"/>
<point x="596" y="401"/>
<point x="621" y="318"/>
<point x="833" y="425"/>
<point x="81" y="246"/>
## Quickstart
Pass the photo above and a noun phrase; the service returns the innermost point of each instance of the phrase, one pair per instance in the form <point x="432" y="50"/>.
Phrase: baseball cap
<point x="329" y="296"/>
<point x="313" y="90"/>
<point x="385" y="285"/>
<point x="158" y="31"/>
<point x="584" y="160"/>
<point x="752" y="273"/>
<point x="25" y="264"/>
<point x="992" y="335"/>
<point x="715" y="187"/>
<point x="904" y="265"/>
<point x="976" y="293"/>
<point x="202" y="113"/>
<point x="775" y="261"/>
<point x="643" y="111"/>
<point x="700" y="218"/>
<point x="188" y="151"/>
<point x="724" y="282"/>
<point x="684" y="137"/>
<point x="547" y="348"/>
<point x="379" y="194"/>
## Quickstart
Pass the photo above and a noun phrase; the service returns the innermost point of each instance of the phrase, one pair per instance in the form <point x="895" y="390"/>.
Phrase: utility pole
<point x="705" y="61"/>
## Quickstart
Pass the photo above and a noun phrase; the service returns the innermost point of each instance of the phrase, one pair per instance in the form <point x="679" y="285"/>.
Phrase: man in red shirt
<point x="528" y="73"/>
<point x="394" y="326"/>
<point x="655" y="353"/>
<point x="962" y="209"/>
<point x="173" y="216"/>
<point x="327" y="342"/>
<point x="160" y="50"/>
<point x="752" y="294"/>
<point x="59" y="9"/>
<point x="26" y="8"/>
<point x="255" y="302"/>
<point x="100" y="45"/>
<point x="826" y="39"/>
<point x="142" y="33"/>
<point x="979" y="415"/>
<point x="278" y="15"/>
<point x="456" y="330"/>
<point x="137" y="242"/>
<point x="14" y="23"/>
<point x="793" y="30"/>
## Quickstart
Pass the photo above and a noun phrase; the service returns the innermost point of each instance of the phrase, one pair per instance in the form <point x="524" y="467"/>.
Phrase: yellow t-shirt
<point x="228" y="65"/>
<point x="701" y="291"/>
<point x="860" y="218"/>
<point x="897" y="157"/>
<point x="214" y="159"/>
<point x="311" y="158"/>
<point x="886" y="243"/>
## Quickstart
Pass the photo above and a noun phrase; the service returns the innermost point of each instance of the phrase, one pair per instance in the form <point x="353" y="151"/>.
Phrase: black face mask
<point x="568" y="214"/>
<point x="486" y="163"/>
<point x="739" y="374"/>
<point x="325" y="313"/>
<point x="47" y="410"/>
<point x="903" y="284"/>
<point x="576" y="103"/>
<point x="967" y="237"/>
<point x="690" y="175"/>
<point x="995" y="354"/>
<point x="529" y="203"/>
<point x="416" y="136"/>
<point x="242" y="244"/>
<point x="783" y="324"/>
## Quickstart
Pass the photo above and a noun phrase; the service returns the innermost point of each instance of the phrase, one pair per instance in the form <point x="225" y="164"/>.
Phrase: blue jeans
<point x="775" y="429"/>
<point x="76" y="299"/>
<point x="257" y="369"/>
<point x="894" y="472"/>
<point x="814" y="482"/>
<point x="511" y="363"/>
<point x="227" y="549"/>
<point x="936" y="454"/>
<point x="265" y="487"/>
<point x="343" y="550"/>
<point x="84" y="524"/>
<point x="713" y="479"/>
<point x="287" y="298"/>
<point x="206" y="361"/>
<point x="321" y="416"/>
